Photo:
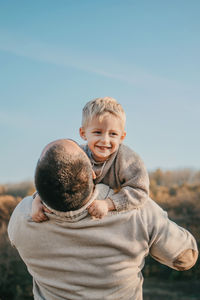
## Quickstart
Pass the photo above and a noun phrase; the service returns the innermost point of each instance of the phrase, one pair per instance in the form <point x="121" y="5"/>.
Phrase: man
<point x="72" y="256"/>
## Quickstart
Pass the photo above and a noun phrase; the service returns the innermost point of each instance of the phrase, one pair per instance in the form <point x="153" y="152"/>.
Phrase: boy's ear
<point x="82" y="133"/>
<point x="123" y="136"/>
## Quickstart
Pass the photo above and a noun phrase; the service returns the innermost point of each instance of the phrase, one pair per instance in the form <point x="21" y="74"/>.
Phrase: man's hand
<point x="100" y="208"/>
<point x="38" y="209"/>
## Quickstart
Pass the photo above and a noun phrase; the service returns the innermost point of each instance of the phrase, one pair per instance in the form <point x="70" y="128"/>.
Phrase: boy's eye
<point x="113" y="133"/>
<point x="97" y="132"/>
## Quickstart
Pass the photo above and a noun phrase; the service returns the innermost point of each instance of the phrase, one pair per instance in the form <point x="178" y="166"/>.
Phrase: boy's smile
<point x="104" y="135"/>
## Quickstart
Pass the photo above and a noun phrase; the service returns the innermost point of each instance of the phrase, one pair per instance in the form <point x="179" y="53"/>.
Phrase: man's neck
<point x="76" y="214"/>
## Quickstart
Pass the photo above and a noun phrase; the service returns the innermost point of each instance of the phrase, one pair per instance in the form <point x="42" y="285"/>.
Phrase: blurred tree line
<point x="15" y="281"/>
<point x="178" y="192"/>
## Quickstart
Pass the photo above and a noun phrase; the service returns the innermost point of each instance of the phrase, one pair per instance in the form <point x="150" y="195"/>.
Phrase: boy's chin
<point x="99" y="158"/>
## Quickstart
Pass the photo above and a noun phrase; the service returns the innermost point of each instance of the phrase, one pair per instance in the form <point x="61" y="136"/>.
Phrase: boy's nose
<point x="105" y="139"/>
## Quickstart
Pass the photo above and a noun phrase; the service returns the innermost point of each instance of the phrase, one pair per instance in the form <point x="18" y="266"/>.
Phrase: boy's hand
<point x="99" y="208"/>
<point x="37" y="211"/>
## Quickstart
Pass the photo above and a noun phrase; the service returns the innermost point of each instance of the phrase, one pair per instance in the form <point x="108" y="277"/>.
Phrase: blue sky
<point x="57" y="55"/>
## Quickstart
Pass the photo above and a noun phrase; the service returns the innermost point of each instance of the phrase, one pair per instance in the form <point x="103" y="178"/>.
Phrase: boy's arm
<point x="100" y="208"/>
<point x="133" y="178"/>
<point x="38" y="209"/>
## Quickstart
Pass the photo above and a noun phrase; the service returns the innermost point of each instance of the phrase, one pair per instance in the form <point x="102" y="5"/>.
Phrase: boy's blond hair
<point x="99" y="107"/>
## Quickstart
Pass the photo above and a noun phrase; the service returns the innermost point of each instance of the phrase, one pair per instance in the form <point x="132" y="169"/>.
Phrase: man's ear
<point x="93" y="174"/>
<point x="82" y="133"/>
<point x="123" y="136"/>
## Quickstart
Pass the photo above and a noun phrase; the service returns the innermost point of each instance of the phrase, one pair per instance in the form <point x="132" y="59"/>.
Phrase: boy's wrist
<point x="110" y="203"/>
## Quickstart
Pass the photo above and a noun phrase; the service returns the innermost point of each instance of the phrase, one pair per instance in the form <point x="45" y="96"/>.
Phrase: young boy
<point x="116" y="165"/>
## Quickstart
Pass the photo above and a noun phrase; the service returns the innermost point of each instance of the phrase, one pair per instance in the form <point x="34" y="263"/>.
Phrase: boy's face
<point x="103" y="136"/>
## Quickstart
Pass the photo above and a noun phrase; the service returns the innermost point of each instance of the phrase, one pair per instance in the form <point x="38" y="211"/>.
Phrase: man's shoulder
<point x="151" y="206"/>
<point x="152" y="213"/>
<point x="18" y="217"/>
<point x="24" y="206"/>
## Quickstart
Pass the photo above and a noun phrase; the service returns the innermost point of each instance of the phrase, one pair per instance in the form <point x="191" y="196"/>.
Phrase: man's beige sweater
<point x="125" y="172"/>
<point x="74" y="257"/>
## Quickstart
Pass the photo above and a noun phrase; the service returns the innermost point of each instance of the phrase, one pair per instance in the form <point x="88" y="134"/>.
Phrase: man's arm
<point x="170" y="244"/>
<point x="13" y="225"/>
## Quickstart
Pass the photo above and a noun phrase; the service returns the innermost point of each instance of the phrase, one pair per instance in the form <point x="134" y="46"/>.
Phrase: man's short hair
<point x="63" y="181"/>
<point x="99" y="107"/>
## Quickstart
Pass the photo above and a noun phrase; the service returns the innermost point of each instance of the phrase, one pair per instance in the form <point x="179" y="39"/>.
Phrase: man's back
<point x="95" y="259"/>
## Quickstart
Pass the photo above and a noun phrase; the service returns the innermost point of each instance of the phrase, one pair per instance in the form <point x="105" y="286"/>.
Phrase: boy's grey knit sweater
<point x="124" y="172"/>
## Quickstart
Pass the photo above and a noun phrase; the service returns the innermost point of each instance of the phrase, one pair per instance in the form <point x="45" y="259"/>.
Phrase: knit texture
<point x="86" y="259"/>
<point x="125" y="172"/>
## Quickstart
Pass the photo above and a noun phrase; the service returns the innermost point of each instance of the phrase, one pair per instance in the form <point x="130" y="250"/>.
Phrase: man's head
<point x="63" y="176"/>
<point x="103" y="123"/>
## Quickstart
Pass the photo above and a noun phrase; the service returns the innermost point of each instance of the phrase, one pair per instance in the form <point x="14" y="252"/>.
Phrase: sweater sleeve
<point x="169" y="243"/>
<point x="133" y="180"/>
<point x="19" y="216"/>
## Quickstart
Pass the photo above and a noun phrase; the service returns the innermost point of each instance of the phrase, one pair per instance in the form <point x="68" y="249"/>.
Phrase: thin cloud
<point x="97" y="65"/>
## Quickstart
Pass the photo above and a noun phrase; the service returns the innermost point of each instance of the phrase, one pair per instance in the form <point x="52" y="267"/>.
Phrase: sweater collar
<point x="76" y="215"/>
